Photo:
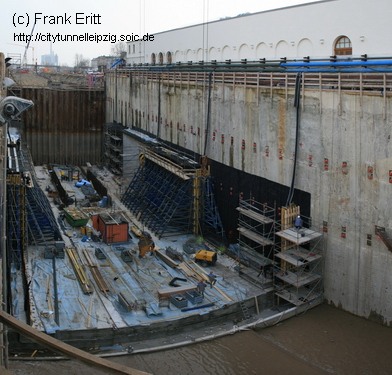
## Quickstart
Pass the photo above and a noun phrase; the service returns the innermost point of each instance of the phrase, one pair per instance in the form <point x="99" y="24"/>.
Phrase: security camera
<point x="11" y="107"/>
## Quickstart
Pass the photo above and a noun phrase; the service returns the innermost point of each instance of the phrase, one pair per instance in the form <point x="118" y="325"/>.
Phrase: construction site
<point x="139" y="215"/>
<point x="117" y="273"/>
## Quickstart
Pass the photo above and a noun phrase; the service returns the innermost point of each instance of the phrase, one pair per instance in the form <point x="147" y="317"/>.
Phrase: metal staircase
<point x="41" y="223"/>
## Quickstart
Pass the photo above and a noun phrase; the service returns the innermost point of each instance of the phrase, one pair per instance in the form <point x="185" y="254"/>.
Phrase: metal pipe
<point x="56" y="299"/>
<point x="2" y="239"/>
<point x="159" y="108"/>
<point x="351" y="65"/>
<point x="337" y="70"/>
<point x="297" y="123"/>
<point x="338" y="63"/>
<point x="208" y="120"/>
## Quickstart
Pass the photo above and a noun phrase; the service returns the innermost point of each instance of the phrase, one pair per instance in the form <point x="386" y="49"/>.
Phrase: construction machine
<point x="146" y="244"/>
<point x="206" y="257"/>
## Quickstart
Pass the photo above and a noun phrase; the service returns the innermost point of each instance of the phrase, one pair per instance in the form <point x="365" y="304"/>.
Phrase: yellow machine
<point x="206" y="257"/>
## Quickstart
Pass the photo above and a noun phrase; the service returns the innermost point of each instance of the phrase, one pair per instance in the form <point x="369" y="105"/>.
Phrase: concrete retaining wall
<point x="158" y="329"/>
<point x="344" y="160"/>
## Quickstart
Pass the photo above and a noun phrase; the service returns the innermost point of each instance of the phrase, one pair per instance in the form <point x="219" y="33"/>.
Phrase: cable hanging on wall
<point x="297" y="97"/>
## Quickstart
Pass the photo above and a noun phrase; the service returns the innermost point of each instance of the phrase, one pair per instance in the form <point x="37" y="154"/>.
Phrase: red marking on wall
<point x="370" y="171"/>
<point x="326" y="164"/>
<point x="344" y="167"/>
<point x="266" y="151"/>
<point x="343" y="232"/>
<point x="310" y="160"/>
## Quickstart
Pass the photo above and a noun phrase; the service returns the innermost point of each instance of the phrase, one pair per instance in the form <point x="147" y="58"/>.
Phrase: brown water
<point x="324" y="340"/>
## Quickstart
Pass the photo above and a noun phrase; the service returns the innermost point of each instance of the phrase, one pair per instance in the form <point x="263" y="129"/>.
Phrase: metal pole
<point x="4" y="245"/>
<point x="56" y="301"/>
<point x="3" y="270"/>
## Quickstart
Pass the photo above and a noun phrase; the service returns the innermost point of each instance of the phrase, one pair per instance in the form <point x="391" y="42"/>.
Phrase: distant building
<point x="50" y="59"/>
<point x="320" y="29"/>
<point x="101" y="63"/>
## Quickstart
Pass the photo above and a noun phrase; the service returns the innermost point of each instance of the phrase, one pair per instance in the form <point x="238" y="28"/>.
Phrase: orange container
<point x="114" y="229"/>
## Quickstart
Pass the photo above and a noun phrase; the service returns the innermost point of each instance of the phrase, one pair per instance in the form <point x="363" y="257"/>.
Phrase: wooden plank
<point x="79" y="271"/>
<point x="66" y="349"/>
<point x="298" y="257"/>
<point x="206" y="278"/>
<point x="297" y="280"/>
<point x="255" y="215"/>
<point x="167" y="292"/>
<point x="299" y="237"/>
<point x="255" y="237"/>
<point x="169" y="261"/>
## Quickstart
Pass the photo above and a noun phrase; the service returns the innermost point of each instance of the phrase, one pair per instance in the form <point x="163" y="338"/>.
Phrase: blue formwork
<point x="161" y="200"/>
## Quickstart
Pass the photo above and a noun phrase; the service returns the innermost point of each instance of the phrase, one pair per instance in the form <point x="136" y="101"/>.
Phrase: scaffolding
<point x="298" y="259"/>
<point x="171" y="194"/>
<point x="114" y="147"/>
<point x="16" y="203"/>
<point x="278" y="256"/>
<point x="30" y="217"/>
<point x="256" y="228"/>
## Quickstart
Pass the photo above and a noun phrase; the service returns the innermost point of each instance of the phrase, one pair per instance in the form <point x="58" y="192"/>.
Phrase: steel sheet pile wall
<point x="344" y="155"/>
<point x="65" y="126"/>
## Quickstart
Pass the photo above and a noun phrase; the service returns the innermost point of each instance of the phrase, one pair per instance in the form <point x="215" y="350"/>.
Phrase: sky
<point x="51" y="20"/>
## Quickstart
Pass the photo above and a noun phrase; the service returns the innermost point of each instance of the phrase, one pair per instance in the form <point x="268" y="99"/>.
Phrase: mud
<point x="324" y="340"/>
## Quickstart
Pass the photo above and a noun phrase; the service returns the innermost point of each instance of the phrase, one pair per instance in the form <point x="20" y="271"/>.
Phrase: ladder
<point x="245" y="310"/>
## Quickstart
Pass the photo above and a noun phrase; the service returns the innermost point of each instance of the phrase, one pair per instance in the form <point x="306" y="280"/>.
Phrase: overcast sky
<point x="108" y="17"/>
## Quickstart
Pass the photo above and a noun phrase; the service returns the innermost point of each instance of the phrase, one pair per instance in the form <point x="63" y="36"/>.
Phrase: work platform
<point x="108" y="282"/>
<point x="299" y="237"/>
<point x="93" y="297"/>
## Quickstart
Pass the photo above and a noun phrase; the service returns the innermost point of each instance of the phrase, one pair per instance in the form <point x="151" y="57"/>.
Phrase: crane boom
<point x="24" y="61"/>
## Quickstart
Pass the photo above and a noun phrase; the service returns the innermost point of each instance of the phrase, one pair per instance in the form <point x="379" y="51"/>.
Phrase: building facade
<point x="318" y="30"/>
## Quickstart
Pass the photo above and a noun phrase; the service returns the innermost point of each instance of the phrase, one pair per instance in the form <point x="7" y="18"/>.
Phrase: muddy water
<point x="322" y="341"/>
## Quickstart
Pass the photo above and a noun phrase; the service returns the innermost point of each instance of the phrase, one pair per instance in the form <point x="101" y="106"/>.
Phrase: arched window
<point x="160" y="56"/>
<point x="153" y="59"/>
<point x="343" y="46"/>
<point x="169" y="57"/>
